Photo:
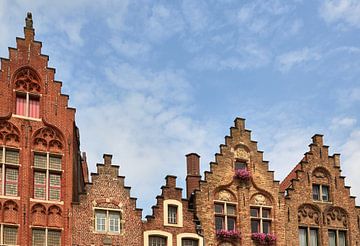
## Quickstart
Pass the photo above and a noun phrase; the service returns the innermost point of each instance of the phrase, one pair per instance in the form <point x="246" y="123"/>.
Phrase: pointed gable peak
<point x="29" y="31"/>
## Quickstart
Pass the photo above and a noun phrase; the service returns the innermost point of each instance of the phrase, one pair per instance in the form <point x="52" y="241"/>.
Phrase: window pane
<point x="1" y="155"/>
<point x="10" y="235"/>
<point x="332" y="238"/>
<point x="114" y="221"/>
<point x="40" y="160"/>
<point x="172" y="214"/>
<point x="325" y="193"/>
<point x="266" y="226"/>
<point x="342" y="238"/>
<point x="157" y="241"/>
<point x="231" y="209"/>
<point x="100" y="217"/>
<point x="21" y="105"/>
<point x="240" y="165"/>
<point x="219" y="223"/>
<point x="219" y="208"/>
<point x="54" y="187"/>
<point x="55" y="162"/>
<point x="12" y="156"/>
<point x="54" y="238"/>
<point x="11" y="179"/>
<point x="254" y="212"/>
<point x="265" y="213"/>
<point x="231" y="223"/>
<point x="255" y="226"/>
<point x="34" y="107"/>
<point x="313" y="237"/>
<point x="303" y="237"/>
<point x="316" y="192"/>
<point x="38" y="237"/>
<point x="39" y="185"/>
<point x="189" y="242"/>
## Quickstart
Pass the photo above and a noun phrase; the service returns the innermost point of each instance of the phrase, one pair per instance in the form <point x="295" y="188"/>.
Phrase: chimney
<point x="193" y="173"/>
<point x="107" y="159"/>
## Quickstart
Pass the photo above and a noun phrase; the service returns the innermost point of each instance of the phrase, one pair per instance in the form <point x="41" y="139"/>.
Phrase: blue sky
<point x="155" y="80"/>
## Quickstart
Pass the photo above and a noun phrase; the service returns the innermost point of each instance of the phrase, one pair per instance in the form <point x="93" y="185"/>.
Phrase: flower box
<point x="225" y="234"/>
<point x="263" y="238"/>
<point x="242" y="174"/>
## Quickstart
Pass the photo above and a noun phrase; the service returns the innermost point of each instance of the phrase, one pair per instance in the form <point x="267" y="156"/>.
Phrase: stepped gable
<point x="317" y="198"/>
<point x="171" y="217"/>
<point x="221" y="188"/>
<point x="106" y="195"/>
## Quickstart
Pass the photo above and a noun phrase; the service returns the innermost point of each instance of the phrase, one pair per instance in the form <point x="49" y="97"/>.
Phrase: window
<point x="172" y="214"/>
<point x="47" y="176"/>
<point x="107" y="221"/>
<point x="157" y="241"/>
<point x="9" y="171"/>
<point x="8" y="235"/>
<point x="337" y="238"/>
<point x="46" y="237"/>
<point x="189" y="242"/>
<point x="321" y="193"/>
<point x="240" y="165"/>
<point x="260" y="219"/>
<point x="225" y="216"/>
<point x="28" y="105"/>
<point x="308" y="236"/>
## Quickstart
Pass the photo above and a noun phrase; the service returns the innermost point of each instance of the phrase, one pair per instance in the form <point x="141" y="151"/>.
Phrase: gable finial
<point x="29" y="20"/>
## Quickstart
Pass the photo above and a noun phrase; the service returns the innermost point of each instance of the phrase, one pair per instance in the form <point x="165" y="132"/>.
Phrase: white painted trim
<point x="180" y="236"/>
<point x="168" y="236"/>
<point x="179" y="206"/>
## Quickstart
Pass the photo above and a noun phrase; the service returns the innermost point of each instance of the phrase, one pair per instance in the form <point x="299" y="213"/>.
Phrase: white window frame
<point x="175" y="203"/>
<point x="107" y="220"/>
<point x="194" y="236"/>
<point x="4" y="166"/>
<point x="261" y="219"/>
<point x="2" y="233"/>
<point x="167" y="235"/>
<point x="47" y="170"/>
<point x="225" y="214"/>
<point x="27" y="98"/>
<point x="47" y="229"/>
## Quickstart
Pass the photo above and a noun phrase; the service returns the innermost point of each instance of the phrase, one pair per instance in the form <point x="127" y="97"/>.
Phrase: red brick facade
<point x="47" y="197"/>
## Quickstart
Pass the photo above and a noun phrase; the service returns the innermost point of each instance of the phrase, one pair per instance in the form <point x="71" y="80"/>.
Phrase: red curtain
<point x="34" y="107"/>
<point x="21" y="106"/>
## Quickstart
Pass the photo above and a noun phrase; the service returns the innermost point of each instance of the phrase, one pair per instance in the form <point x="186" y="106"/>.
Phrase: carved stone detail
<point x="48" y="139"/>
<point x="337" y="217"/>
<point x="224" y="195"/>
<point x="240" y="153"/>
<point x="9" y="134"/>
<point x="27" y="80"/>
<point x="308" y="214"/>
<point x="260" y="200"/>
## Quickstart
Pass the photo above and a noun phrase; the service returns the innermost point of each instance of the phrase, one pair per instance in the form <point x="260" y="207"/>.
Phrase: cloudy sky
<point x="155" y="80"/>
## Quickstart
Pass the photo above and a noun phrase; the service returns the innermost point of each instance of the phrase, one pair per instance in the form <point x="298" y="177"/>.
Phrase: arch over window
<point x="11" y="212"/>
<point x="321" y="175"/>
<point x="261" y="213"/>
<point x="27" y="79"/>
<point x="189" y="236"/>
<point x="309" y="214"/>
<point x="48" y="139"/>
<point x="9" y="134"/>
<point x="38" y="214"/>
<point x="321" y="180"/>
<point x="336" y="217"/>
<point x="153" y="234"/>
<point x="173" y="213"/>
<point x="54" y="213"/>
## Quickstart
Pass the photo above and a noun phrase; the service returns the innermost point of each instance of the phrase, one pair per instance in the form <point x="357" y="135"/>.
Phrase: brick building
<point x="47" y="197"/>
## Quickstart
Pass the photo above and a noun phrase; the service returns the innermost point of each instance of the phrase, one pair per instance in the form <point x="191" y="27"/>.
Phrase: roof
<point x="287" y="181"/>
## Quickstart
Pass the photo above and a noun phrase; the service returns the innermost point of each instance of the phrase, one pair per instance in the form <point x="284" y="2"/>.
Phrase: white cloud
<point x="342" y="122"/>
<point x="341" y="11"/>
<point x="290" y="59"/>
<point x="129" y="48"/>
<point x="195" y="13"/>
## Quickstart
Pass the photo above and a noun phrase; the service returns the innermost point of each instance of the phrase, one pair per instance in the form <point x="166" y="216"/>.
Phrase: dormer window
<point x="172" y="214"/>
<point x="27" y="105"/>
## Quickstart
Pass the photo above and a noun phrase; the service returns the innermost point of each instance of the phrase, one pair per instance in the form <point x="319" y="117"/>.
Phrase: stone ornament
<point x="224" y="195"/>
<point x="308" y="214"/>
<point x="241" y="153"/>
<point x="9" y="133"/>
<point x="48" y="138"/>
<point x="260" y="200"/>
<point x="337" y="217"/>
<point x="27" y="80"/>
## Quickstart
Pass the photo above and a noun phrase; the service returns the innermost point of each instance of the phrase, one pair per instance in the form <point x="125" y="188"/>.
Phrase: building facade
<point x="47" y="197"/>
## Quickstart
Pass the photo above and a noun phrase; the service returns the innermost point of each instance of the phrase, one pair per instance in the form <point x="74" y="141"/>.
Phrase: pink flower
<point x="263" y="238"/>
<point x="242" y="174"/>
<point x="231" y="234"/>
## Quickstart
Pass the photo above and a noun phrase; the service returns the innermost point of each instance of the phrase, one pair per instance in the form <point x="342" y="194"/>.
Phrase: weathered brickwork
<point x="50" y="131"/>
<point x="106" y="191"/>
<point x="46" y="191"/>
<point x="335" y="211"/>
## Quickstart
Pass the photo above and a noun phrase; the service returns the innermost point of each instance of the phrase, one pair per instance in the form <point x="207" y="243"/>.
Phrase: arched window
<point x="260" y="214"/>
<point x="321" y="185"/>
<point x="157" y="241"/>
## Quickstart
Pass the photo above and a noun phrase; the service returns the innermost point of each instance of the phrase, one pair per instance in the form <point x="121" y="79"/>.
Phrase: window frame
<point x="46" y="229"/>
<point x="4" y="166"/>
<point x="48" y="172"/>
<point x="321" y="193"/>
<point x="308" y="230"/>
<point x="179" y="219"/>
<point x="167" y="235"/>
<point x="28" y="97"/>
<point x="260" y="217"/>
<point x="225" y="215"/>
<point x="2" y="237"/>
<point x="107" y="226"/>
<point x="193" y="236"/>
<point x="337" y="242"/>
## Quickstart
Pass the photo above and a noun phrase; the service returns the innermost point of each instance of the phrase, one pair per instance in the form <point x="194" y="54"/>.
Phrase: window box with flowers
<point x="242" y="175"/>
<point x="228" y="234"/>
<point x="263" y="238"/>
